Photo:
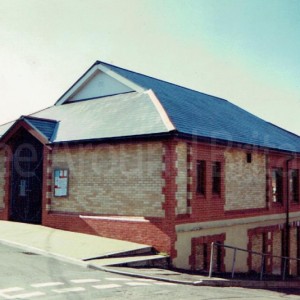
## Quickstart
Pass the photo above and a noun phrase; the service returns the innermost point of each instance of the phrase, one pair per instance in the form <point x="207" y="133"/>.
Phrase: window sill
<point x="276" y="204"/>
<point x="202" y="196"/>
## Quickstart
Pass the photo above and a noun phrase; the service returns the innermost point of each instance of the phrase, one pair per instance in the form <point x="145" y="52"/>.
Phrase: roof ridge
<point x="161" y="80"/>
<point x="290" y="132"/>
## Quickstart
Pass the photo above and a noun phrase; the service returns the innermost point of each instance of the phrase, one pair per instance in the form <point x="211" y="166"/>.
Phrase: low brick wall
<point x="153" y="232"/>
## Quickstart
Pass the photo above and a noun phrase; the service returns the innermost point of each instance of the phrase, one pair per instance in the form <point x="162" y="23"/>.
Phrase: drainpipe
<point x="287" y="214"/>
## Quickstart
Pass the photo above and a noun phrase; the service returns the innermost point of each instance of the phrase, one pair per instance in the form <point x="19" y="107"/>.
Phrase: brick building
<point x="131" y="157"/>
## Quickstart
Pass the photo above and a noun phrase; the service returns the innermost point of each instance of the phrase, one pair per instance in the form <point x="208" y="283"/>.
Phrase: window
<point x="294" y="185"/>
<point x="249" y="158"/>
<point x="216" y="178"/>
<point x="277" y="185"/>
<point x="201" y="174"/>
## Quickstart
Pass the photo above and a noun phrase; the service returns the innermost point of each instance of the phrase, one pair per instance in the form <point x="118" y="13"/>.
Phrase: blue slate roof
<point x="45" y="126"/>
<point x="202" y="115"/>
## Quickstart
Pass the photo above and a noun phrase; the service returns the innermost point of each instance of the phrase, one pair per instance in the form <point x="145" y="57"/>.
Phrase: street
<point x="25" y="275"/>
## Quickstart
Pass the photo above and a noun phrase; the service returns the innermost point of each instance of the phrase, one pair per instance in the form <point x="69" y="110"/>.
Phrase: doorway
<point x="26" y="179"/>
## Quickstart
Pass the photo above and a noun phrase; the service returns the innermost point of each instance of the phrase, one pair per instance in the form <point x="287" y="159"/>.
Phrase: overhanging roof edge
<point x="161" y="110"/>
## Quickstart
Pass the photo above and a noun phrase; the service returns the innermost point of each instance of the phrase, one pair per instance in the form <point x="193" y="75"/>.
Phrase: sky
<point x="245" y="51"/>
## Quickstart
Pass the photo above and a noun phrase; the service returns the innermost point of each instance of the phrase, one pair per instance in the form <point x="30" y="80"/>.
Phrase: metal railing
<point x="285" y="259"/>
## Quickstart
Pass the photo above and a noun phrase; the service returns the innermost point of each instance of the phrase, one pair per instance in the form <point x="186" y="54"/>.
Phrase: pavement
<point x="109" y="254"/>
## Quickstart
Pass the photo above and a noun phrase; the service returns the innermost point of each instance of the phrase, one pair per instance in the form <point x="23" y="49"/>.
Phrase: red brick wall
<point x="150" y="232"/>
<point x="265" y="240"/>
<point x="208" y="207"/>
<point x="198" y="261"/>
<point x="4" y="213"/>
<point x="211" y="207"/>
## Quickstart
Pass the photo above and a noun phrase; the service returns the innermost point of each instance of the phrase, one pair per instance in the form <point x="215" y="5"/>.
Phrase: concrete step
<point x="143" y="251"/>
<point x="132" y="261"/>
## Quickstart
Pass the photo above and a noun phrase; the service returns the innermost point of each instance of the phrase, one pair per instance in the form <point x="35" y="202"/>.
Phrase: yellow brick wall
<point x="2" y="178"/>
<point x="181" y="179"/>
<point x="112" y="179"/>
<point x="245" y="183"/>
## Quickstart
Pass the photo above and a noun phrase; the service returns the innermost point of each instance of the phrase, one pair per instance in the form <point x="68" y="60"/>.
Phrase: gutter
<point x="227" y="143"/>
<point x="151" y="136"/>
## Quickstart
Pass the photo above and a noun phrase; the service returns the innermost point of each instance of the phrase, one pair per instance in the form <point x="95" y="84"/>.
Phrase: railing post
<point x="233" y="263"/>
<point x="211" y="259"/>
<point x="262" y="266"/>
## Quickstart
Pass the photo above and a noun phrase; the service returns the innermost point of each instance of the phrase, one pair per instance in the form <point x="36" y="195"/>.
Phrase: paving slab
<point x="62" y="243"/>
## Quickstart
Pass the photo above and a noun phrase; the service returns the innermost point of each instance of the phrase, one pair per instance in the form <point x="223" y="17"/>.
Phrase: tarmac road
<point x="25" y="275"/>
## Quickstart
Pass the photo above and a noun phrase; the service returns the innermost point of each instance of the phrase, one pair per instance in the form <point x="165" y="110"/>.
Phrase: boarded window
<point x="216" y="178"/>
<point x="294" y="185"/>
<point x="277" y="185"/>
<point x="201" y="175"/>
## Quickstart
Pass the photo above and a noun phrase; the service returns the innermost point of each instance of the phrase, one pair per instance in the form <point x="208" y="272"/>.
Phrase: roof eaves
<point x="229" y="143"/>
<point x="151" y="136"/>
<point x="287" y="131"/>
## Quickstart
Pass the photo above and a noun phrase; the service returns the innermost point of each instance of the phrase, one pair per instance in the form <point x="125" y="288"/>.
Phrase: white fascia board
<point x="77" y="86"/>
<point x="163" y="114"/>
<point x="120" y="78"/>
<point x="90" y="73"/>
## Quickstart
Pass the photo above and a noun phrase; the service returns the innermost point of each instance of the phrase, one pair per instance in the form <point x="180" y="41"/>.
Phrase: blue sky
<point x="245" y="51"/>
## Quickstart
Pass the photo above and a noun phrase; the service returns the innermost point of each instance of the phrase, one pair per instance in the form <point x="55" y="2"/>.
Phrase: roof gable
<point x="42" y="129"/>
<point x="46" y="127"/>
<point x="98" y="82"/>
